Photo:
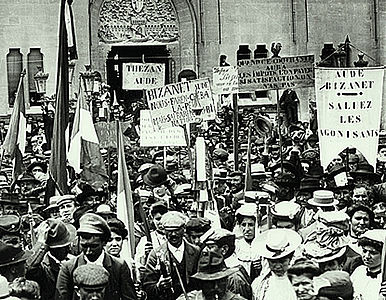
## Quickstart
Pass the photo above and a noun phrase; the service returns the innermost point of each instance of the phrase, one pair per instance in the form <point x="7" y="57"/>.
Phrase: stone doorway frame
<point x="184" y="52"/>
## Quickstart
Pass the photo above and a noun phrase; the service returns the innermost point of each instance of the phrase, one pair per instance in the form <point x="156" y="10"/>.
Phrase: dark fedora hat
<point x="37" y="163"/>
<point x="59" y="234"/>
<point x="27" y="177"/>
<point x="211" y="266"/>
<point x="10" y="255"/>
<point x="365" y="169"/>
<point x="156" y="176"/>
<point x="309" y="184"/>
<point x="335" y="170"/>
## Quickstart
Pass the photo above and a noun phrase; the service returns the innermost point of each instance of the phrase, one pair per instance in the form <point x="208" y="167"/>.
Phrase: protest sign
<point x="142" y="76"/>
<point x="349" y="110"/>
<point x="173" y="136"/>
<point x="171" y="105"/>
<point x="276" y="73"/>
<point x="225" y="80"/>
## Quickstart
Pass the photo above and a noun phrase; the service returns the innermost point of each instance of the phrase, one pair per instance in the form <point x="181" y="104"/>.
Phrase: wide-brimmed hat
<point x="64" y="199"/>
<point x="247" y="210"/>
<point x="53" y="203"/>
<point x="59" y="234"/>
<point x="155" y="176"/>
<point x="10" y="255"/>
<point x="37" y="163"/>
<point x="323" y="198"/>
<point x="277" y="243"/>
<point x="211" y="266"/>
<point x="365" y="169"/>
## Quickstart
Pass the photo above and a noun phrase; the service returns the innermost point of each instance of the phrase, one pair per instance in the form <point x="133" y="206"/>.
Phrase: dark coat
<point x="120" y="284"/>
<point x="45" y="274"/>
<point x="188" y="267"/>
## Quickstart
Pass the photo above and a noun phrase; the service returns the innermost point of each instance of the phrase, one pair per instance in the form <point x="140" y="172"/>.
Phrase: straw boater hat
<point x="277" y="243"/>
<point x="323" y="198"/>
<point x="285" y="210"/>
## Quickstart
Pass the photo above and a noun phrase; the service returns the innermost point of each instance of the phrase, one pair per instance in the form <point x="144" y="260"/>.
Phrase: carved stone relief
<point x="137" y="21"/>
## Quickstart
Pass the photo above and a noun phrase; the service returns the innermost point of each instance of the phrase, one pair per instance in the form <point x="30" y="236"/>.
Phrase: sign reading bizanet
<point x="276" y="73"/>
<point x="349" y="110"/>
<point x="139" y="76"/>
<point x="171" y="105"/>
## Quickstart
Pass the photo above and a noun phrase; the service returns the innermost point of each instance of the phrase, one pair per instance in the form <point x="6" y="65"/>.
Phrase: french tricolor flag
<point x="15" y="140"/>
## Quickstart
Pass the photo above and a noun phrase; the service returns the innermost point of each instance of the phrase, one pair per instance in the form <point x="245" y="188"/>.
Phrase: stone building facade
<point x="183" y="34"/>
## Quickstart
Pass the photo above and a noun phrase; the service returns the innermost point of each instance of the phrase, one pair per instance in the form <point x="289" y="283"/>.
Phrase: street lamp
<point x="41" y="81"/>
<point x="71" y="70"/>
<point x="88" y="78"/>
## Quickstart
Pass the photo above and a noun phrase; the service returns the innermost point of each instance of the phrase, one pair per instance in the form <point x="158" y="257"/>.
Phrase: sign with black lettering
<point x="276" y="73"/>
<point x="171" y="105"/>
<point x="148" y="137"/>
<point x="139" y="76"/>
<point x="225" y="80"/>
<point x="349" y="104"/>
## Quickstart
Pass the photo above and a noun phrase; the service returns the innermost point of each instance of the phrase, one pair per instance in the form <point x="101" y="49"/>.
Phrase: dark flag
<point x="15" y="140"/>
<point x="57" y="181"/>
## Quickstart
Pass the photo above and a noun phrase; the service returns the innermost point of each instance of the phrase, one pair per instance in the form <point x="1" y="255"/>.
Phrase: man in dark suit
<point x="168" y="268"/>
<point x="94" y="233"/>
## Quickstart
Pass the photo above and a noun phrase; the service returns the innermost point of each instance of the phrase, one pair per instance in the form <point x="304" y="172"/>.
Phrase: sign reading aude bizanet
<point x="276" y="73"/>
<point x="171" y="105"/>
<point x="349" y="110"/>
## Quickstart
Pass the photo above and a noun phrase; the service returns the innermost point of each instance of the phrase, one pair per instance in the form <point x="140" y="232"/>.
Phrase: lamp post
<point x="71" y="71"/>
<point x="41" y="81"/>
<point x="88" y="78"/>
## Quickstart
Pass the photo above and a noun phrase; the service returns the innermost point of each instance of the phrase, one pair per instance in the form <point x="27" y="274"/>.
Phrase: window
<point x="34" y="61"/>
<point x="14" y="69"/>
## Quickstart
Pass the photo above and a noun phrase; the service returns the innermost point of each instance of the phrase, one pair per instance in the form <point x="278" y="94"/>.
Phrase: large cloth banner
<point x="140" y="76"/>
<point x="225" y="80"/>
<point x="148" y="137"/>
<point x="277" y="73"/>
<point x="171" y="105"/>
<point x="349" y="110"/>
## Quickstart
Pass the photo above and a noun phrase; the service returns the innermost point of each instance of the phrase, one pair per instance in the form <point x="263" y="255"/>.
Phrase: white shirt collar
<point x="178" y="253"/>
<point x="98" y="261"/>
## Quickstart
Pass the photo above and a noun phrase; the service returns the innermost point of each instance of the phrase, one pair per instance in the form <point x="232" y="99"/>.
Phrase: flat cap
<point x="91" y="275"/>
<point x="93" y="224"/>
<point x="173" y="220"/>
<point x="198" y="224"/>
<point x="216" y="235"/>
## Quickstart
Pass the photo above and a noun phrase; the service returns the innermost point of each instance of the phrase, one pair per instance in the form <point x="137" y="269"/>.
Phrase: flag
<point x="57" y="181"/>
<point x="70" y="28"/>
<point x="15" y="140"/>
<point x="84" y="152"/>
<point x="125" y="206"/>
<point x="248" y="172"/>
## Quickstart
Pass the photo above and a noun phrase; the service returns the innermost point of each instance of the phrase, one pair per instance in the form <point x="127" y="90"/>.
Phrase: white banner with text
<point x="349" y="104"/>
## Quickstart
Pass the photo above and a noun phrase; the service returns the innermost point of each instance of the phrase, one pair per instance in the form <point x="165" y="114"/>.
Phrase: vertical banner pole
<point x="235" y="132"/>
<point x="279" y="130"/>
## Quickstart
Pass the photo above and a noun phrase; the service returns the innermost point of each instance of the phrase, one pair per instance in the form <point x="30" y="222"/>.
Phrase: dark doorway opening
<point x="132" y="99"/>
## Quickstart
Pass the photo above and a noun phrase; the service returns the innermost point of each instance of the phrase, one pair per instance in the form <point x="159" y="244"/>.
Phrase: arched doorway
<point x="160" y="31"/>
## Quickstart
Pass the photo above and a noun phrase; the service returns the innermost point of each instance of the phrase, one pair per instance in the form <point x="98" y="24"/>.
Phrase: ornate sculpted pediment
<point x="136" y="21"/>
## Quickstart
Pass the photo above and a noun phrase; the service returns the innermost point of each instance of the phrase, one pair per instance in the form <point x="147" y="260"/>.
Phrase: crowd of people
<point x="276" y="227"/>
